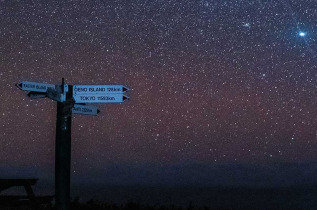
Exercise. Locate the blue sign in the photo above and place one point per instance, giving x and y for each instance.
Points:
(85, 110)
(98, 89)
(100, 98)
(34, 86)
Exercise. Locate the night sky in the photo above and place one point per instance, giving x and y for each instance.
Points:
(212, 81)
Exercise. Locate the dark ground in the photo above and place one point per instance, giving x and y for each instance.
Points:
(210, 198)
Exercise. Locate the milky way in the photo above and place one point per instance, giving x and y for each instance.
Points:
(211, 81)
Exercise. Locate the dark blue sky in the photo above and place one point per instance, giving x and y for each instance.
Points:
(212, 81)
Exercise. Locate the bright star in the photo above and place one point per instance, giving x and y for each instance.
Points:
(302, 34)
(247, 25)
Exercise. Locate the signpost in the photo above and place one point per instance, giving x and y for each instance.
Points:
(98, 89)
(62, 146)
(34, 86)
(67, 96)
(36, 95)
(100, 98)
(54, 95)
(85, 110)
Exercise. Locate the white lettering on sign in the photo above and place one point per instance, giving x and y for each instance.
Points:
(98, 89)
(33, 86)
(101, 98)
(85, 110)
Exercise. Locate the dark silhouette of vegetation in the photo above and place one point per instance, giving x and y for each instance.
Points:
(97, 205)
(131, 205)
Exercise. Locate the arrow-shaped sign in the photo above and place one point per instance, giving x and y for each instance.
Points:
(34, 86)
(36, 95)
(85, 110)
(100, 98)
(98, 89)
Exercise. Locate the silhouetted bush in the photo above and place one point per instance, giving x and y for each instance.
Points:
(97, 205)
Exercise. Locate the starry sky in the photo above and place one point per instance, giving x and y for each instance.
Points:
(212, 81)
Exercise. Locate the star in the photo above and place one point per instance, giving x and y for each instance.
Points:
(302, 34)
(246, 25)
(236, 79)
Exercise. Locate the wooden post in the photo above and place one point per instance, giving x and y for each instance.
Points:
(63, 151)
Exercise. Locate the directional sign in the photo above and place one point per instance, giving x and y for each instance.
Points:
(54, 95)
(34, 86)
(36, 95)
(98, 89)
(101, 98)
(85, 110)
